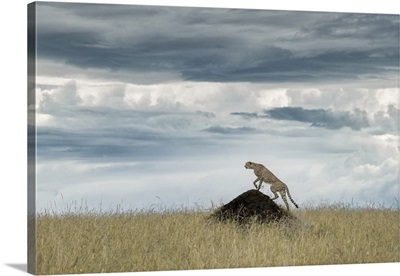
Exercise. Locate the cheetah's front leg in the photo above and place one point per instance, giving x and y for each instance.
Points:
(255, 183)
(259, 184)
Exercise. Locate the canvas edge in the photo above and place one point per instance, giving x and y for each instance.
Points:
(31, 138)
(31, 126)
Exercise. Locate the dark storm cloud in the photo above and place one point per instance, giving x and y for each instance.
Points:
(329, 119)
(103, 134)
(230, 130)
(121, 144)
(356, 26)
(219, 45)
(246, 115)
(101, 144)
(320, 117)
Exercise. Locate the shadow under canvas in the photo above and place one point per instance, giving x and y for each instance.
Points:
(21, 267)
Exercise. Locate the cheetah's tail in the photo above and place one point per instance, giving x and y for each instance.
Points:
(291, 199)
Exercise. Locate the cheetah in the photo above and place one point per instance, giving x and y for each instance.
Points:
(265, 175)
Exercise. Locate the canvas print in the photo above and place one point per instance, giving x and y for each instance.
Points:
(179, 138)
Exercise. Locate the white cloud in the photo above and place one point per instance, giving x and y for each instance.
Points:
(368, 172)
(61, 97)
(134, 142)
(344, 98)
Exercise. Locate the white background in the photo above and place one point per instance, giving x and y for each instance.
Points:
(13, 131)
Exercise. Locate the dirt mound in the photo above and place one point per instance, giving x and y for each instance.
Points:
(251, 206)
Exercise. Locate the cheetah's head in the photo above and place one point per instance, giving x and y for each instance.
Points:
(249, 165)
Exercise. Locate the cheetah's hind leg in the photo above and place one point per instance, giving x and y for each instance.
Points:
(275, 195)
(283, 195)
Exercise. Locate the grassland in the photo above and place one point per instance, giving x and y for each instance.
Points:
(185, 239)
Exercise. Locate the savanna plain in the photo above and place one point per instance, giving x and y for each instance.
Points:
(184, 239)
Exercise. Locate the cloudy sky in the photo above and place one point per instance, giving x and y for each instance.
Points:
(158, 106)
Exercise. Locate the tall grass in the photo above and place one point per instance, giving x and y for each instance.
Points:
(188, 239)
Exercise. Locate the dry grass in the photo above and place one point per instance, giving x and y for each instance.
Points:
(175, 240)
